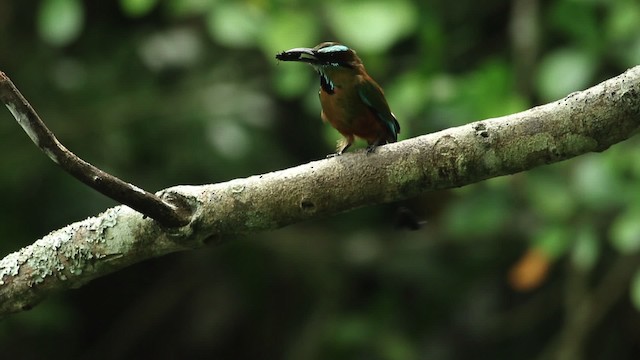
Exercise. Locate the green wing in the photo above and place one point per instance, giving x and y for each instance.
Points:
(372, 95)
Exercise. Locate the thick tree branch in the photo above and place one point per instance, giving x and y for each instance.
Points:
(168, 214)
(591, 120)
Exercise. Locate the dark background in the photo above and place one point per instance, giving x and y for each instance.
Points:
(536, 265)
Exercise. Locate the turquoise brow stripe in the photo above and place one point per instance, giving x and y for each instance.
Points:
(333, 48)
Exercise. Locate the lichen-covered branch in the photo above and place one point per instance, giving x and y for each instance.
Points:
(591, 120)
(168, 213)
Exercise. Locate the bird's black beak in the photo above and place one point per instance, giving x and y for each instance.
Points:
(299, 54)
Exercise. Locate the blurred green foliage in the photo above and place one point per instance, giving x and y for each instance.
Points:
(188, 92)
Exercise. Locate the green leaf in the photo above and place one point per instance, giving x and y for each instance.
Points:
(632, 56)
(623, 21)
(594, 183)
(635, 290)
(586, 249)
(479, 215)
(288, 29)
(577, 20)
(549, 196)
(235, 24)
(394, 346)
(189, 7)
(373, 25)
(407, 95)
(622, 28)
(625, 231)
(351, 331)
(553, 241)
(564, 72)
(137, 8)
(60, 21)
(291, 81)
(488, 90)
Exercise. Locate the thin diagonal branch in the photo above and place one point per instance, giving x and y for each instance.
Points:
(591, 120)
(166, 213)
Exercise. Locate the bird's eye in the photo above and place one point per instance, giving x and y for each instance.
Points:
(333, 49)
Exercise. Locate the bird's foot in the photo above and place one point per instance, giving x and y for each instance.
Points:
(371, 149)
(334, 155)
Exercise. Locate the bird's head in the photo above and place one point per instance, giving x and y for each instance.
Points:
(323, 56)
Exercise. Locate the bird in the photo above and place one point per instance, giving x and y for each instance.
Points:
(351, 100)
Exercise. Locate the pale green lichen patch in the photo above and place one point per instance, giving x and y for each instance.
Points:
(64, 252)
(100, 224)
(490, 160)
(526, 148)
(10, 265)
(574, 144)
(404, 175)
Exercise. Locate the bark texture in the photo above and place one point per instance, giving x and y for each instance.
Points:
(586, 121)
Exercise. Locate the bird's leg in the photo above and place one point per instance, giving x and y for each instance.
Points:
(343, 145)
(372, 146)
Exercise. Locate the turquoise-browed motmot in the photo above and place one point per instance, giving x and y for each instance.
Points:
(352, 102)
